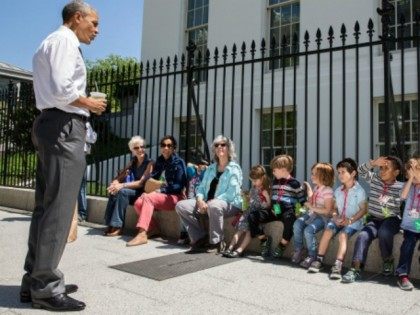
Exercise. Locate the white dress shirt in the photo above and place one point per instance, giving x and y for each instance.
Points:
(59, 72)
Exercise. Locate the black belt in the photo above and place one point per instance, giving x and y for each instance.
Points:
(74, 115)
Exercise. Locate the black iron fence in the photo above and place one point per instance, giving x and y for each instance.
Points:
(326, 96)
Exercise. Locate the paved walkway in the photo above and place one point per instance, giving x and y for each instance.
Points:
(246, 286)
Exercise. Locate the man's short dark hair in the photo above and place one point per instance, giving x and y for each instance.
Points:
(74, 6)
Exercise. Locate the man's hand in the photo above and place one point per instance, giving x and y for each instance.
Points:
(94, 105)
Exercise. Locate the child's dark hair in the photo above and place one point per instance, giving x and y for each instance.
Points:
(259, 172)
(396, 163)
(324, 172)
(349, 164)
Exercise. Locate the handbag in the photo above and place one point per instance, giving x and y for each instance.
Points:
(151, 185)
(122, 174)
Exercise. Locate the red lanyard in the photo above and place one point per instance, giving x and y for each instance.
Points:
(314, 196)
(281, 190)
(343, 214)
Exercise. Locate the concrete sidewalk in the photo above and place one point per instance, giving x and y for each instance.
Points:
(246, 286)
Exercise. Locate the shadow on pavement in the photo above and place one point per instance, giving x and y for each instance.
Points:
(17, 219)
(9, 297)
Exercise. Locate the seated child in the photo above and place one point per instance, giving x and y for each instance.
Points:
(319, 208)
(350, 207)
(410, 222)
(384, 210)
(285, 194)
(259, 199)
(195, 174)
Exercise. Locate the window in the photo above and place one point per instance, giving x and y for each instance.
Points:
(408, 126)
(284, 141)
(284, 21)
(196, 141)
(197, 21)
(407, 8)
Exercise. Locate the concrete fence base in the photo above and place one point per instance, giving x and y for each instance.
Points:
(169, 225)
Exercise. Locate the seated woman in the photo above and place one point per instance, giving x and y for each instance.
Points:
(218, 195)
(171, 171)
(122, 192)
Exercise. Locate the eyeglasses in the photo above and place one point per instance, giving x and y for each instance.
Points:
(220, 145)
(166, 145)
(139, 147)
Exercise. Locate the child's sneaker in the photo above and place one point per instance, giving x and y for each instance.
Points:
(388, 267)
(265, 246)
(351, 276)
(307, 262)
(335, 272)
(278, 251)
(315, 266)
(297, 256)
(405, 284)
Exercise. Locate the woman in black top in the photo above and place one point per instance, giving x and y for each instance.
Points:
(125, 189)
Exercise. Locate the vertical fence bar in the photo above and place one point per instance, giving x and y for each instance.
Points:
(168, 67)
(251, 104)
(295, 51)
(417, 41)
(402, 43)
(175, 65)
(146, 102)
(152, 109)
(224, 57)
(159, 100)
(272, 54)
(262, 49)
(306, 43)
(241, 128)
(284, 44)
(385, 12)
(356, 37)
(206, 97)
(330, 140)
(343, 39)
(232, 97)
(184, 71)
(190, 75)
(318, 40)
(216, 57)
(370, 34)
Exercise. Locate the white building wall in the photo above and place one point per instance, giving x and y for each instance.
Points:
(235, 21)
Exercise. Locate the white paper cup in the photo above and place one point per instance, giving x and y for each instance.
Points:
(98, 95)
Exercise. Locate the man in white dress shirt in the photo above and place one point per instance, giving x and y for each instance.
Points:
(58, 133)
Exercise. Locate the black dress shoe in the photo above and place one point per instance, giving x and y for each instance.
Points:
(199, 246)
(59, 303)
(25, 296)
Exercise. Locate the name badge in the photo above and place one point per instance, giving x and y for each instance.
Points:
(383, 199)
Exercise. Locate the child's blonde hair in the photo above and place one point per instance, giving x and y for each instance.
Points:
(282, 161)
(324, 172)
(259, 172)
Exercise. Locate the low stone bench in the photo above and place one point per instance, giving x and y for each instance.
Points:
(169, 225)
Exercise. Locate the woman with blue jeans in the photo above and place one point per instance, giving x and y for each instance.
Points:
(319, 207)
(124, 192)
